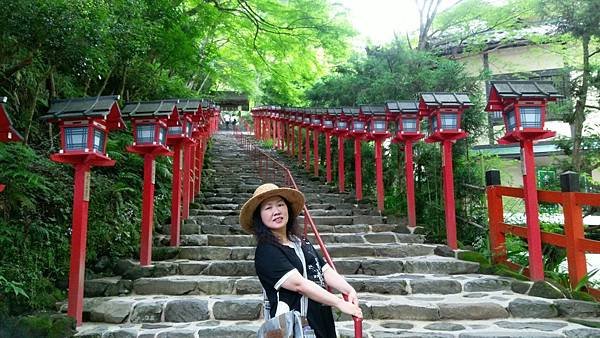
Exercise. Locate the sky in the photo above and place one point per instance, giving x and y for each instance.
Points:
(378, 20)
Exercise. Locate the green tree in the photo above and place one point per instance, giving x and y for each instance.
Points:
(579, 20)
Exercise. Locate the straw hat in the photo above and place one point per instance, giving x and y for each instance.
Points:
(294, 197)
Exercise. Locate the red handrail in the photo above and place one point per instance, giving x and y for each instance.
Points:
(308, 220)
(573, 240)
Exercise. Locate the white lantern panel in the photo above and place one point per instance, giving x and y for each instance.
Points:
(176, 130)
(76, 138)
(379, 126)
(531, 117)
(162, 135)
(449, 120)
(189, 128)
(512, 120)
(409, 125)
(433, 123)
(98, 140)
(144, 134)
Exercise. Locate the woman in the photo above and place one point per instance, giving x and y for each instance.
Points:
(280, 258)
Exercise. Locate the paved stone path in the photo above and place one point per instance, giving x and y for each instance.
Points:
(208, 287)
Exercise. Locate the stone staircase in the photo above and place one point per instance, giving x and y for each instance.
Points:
(207, 287)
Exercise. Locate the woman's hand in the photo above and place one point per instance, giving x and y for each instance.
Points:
(349, 308)
(352, 296)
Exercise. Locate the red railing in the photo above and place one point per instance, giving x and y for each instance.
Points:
(573, 240)
(275, 172)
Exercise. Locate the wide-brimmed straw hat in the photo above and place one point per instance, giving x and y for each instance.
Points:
(294, 197)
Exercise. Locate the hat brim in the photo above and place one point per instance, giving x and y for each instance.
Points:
(294, 197)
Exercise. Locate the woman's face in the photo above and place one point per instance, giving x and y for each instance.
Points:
(274, 213)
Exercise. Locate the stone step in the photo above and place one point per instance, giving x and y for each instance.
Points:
(394, 284)
(342, 220)
(496, 328)
(225, 225)
(465, 306)
(335, 250)
(328, 238)
(130, 269)
(206, 328)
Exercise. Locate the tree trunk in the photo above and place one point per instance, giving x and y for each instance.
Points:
(427, 12)
(123, 81)
(579, 114)
(105, 82)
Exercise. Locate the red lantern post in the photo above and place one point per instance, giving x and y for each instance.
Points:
(306, 124)
(292, 123)
(523, 106)
(315, 127)
(150, 140)
(378, 131)
(84, 125)
(179, 134)
(328, 118)
(407, 131)
(300, 123)
(358, 131)
(444, 111)
(341, 122)
(7, 131)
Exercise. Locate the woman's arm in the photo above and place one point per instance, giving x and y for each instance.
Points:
(295, 282)
(336, 281)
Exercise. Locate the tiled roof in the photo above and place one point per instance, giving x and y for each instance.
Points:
(98, 106)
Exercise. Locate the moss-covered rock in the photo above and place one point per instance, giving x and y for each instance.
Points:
(472, 256)
(521, 287)
(503, 270)
(43, 325)
(164, 253)
(545, 289)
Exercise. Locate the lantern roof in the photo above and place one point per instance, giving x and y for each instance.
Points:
(190, 106)
(334, 111)
(404, 107)
(522, 89)
(155, 109)
(436, 100)
(6, 124)
(102, 107)
(351, 111)
(372, 109)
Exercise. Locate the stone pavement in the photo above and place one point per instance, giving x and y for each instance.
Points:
(208, 288)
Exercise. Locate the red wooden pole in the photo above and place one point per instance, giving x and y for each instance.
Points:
(307, 148)
(328, 156)
(292, 138)
(176, 194)
(358, 168)
(410, 183)
(496, 218)
(300, 144)
(78, 241)
(534, 236)
(186, 181)
(449, 194)
(193, 171)
(147, 210)
(341, 174)
(199, 159)
(316, 152)
(379, 174)
(574, 234)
